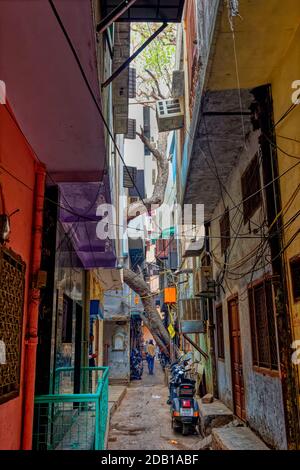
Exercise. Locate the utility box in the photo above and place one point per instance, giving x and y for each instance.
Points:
(204, 282)
(170, 114)
(170, 295)
(178, 84)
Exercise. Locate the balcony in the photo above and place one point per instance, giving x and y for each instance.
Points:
(145, 11)
(73, 421)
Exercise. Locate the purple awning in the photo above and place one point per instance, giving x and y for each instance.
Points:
(79, 203)
(45, 88)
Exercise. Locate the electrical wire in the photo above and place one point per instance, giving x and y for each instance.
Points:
(57, 16)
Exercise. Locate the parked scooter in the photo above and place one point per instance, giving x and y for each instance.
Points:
(183, 405)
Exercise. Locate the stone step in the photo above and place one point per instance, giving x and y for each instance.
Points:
(213, 415)
(236, 438)
(116, 393)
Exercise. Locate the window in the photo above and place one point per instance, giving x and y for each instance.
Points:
(225, 231)
(132, 83)
(118, 340)
(295, 275)
(220, 332)
(131, 132)
(129, 176)
(67, 324)
(146, 120)
(12, 281)
(263, 329)
(251, 189)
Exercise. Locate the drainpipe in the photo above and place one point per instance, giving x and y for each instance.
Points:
(31, 333)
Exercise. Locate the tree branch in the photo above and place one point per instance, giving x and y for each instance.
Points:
(141, 207)
(155, 324)
(159, 92)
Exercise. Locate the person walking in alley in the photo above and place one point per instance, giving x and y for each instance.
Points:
(150, 356)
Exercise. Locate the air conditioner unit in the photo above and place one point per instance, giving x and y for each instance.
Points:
(170, 115)
(205, 285)
(191, 309)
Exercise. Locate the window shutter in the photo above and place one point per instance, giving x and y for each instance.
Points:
(225, 231)
(129, 176)
(131, 133)
(295, 275)
(263, 328)
(132, 83)
(251, 189)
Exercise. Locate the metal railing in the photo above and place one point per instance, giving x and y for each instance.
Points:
(67, 420)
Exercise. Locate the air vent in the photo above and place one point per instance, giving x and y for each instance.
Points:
(129, 177)
(132, 83)
(131, 133)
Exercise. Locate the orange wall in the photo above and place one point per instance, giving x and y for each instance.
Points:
(146, 334)
(16, 163)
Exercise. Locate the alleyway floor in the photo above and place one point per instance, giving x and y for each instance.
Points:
(143, 421)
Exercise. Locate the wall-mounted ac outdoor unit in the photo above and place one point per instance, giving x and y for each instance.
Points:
(170, 115)
(191, 309)
(205, 285)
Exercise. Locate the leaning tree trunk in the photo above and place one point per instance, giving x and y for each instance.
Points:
(141, 207)
(154, 322)
(132, 279)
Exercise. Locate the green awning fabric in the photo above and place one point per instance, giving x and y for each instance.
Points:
(166, 233)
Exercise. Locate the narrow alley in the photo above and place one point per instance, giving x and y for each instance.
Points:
(143, 421)
(149, 216)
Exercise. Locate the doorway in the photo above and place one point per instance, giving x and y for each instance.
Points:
(238, 389)
(78, 344)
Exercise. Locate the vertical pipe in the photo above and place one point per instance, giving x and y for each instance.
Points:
(31, 334)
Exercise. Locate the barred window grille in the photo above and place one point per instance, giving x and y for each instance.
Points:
(12, 285)
(251, 187)
(263, 327)
(225, 231)
(295, 275)
(132, 83)
(129, 176)
(220, 332)
(131, 132)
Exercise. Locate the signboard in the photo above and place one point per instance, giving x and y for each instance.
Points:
(171, 330)
(95, 309)
(193, 326)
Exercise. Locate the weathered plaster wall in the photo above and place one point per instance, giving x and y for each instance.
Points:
(118, 354)
(18, 179)
(282, 78)
(263, 394)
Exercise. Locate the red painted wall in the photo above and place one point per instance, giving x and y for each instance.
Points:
(17, 165)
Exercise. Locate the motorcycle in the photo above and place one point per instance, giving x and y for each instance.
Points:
(136, 365)
(183, 405)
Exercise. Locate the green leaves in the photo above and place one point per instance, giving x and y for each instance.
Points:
(158, 59)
